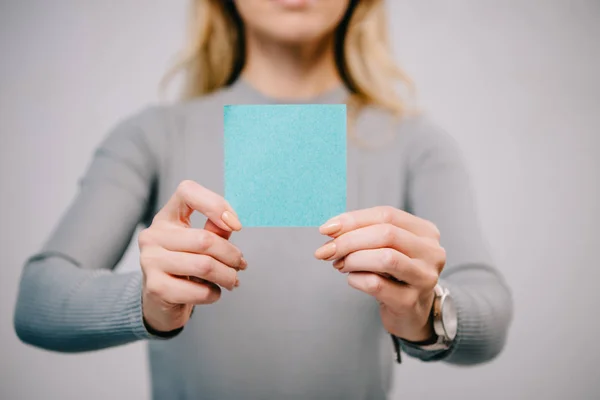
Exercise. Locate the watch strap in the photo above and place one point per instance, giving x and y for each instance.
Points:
(432, 340)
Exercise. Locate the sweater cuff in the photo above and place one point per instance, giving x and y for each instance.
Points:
(425, 355)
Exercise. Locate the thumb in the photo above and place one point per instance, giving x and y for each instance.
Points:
(212, 227)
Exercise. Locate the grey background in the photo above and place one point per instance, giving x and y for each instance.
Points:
(516, 82)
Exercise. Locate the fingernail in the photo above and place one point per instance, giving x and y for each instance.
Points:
(331, 227)
(338, 264)
(237, 282)
(231, 220)
(243, 263)
(326, 251)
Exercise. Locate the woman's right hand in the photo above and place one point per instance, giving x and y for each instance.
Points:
(183, 266)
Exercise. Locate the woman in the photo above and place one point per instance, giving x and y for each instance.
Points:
(292, 327)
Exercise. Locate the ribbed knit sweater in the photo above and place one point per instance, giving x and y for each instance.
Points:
(294, 329)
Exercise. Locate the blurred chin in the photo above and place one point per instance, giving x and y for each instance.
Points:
(295, 29)
(295, 35)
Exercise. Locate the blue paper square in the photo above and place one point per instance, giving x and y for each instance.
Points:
(285, 165)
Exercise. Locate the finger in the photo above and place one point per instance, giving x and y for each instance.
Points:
(190, 197)
(389, 262)
(373, 237)
(174, 290)
(200, 241)
(196, 265)
(211, 227)
(379, 215)
(395, 295)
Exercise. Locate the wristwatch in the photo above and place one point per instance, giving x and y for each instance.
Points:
(445, 320)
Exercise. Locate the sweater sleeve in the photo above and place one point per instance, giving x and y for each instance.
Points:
(439, 190)
(69, 298)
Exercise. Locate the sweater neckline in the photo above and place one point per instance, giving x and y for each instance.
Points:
(336, 95)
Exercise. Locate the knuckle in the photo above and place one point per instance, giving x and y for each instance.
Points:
(145, 238)
(388, 258)
(148, 258)
(184, 187)
(203, 267)
(386, 214)
(431, 247)
(430, 279)
(435, 254)
(144, 259)
(433, 229)
(374, 284)
(204, 240)
(441, 261)
(388, 233)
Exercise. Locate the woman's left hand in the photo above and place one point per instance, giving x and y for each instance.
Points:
(393, 256)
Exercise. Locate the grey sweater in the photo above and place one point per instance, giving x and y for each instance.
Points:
(293, 329)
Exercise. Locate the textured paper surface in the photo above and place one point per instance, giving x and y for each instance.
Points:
(285, 165)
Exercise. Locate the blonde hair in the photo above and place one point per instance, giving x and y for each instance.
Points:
(214, 55)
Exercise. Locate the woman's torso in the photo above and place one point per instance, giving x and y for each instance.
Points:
(294, 328)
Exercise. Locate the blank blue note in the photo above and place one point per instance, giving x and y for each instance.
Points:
(285, 165)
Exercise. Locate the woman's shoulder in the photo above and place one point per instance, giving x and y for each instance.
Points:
(144, 128)
(155, 123)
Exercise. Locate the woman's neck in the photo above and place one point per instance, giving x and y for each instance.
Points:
(287, 71)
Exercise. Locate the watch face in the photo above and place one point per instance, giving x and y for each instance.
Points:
(449, 317)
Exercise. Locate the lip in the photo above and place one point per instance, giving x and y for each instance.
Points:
(295, 4)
